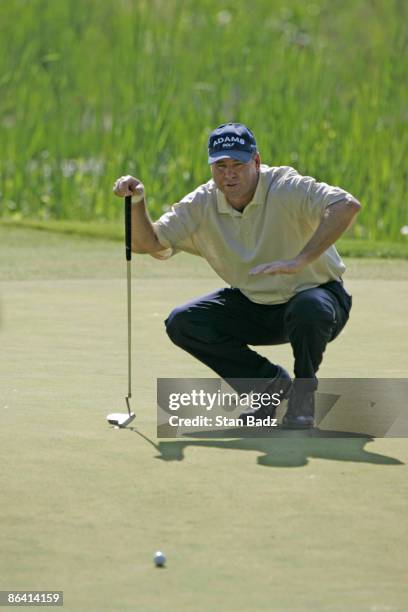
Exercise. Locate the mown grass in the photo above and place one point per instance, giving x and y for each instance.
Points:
(91, 90)
(348, 247)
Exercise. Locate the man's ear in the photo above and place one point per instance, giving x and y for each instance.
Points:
(257, 159)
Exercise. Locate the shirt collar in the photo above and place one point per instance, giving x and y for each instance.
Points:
(258, 198)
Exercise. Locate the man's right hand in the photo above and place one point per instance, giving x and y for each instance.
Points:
(128, 186)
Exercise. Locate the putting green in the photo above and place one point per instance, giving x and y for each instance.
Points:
(247, 524)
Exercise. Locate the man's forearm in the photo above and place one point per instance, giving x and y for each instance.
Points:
(144, 239)
(336, 220)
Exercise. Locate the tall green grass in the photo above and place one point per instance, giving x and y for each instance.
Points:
(93, 89)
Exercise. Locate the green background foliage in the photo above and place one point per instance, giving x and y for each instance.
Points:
(91, 90)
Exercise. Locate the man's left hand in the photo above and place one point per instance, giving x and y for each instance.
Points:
(284, 266)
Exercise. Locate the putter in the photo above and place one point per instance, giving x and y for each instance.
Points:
(121, 419)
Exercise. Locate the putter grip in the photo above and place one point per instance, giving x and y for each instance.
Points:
(128, 227)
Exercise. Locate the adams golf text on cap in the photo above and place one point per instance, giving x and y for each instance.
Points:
(231, 140)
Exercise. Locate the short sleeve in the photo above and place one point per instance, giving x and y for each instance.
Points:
(309, 196)
(176, 227)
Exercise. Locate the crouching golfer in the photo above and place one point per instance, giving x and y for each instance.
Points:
(268, 232)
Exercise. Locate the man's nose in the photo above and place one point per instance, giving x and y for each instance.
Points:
(230, 172)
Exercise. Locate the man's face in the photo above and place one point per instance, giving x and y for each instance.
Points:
(236, 180)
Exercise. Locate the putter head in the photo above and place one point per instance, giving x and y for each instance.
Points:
(121, 419)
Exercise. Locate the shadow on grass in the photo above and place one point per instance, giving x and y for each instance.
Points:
(282, 449)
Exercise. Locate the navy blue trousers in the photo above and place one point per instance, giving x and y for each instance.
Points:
(217, 328)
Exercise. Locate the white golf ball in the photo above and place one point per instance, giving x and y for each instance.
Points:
(159, 558)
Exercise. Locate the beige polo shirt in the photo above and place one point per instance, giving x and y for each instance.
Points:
(280, 219)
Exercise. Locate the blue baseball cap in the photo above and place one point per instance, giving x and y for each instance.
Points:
(231, 140)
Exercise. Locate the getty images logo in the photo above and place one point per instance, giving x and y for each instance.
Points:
(228, 141)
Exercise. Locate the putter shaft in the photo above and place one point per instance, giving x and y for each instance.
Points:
(129, 318)
(122, 419)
